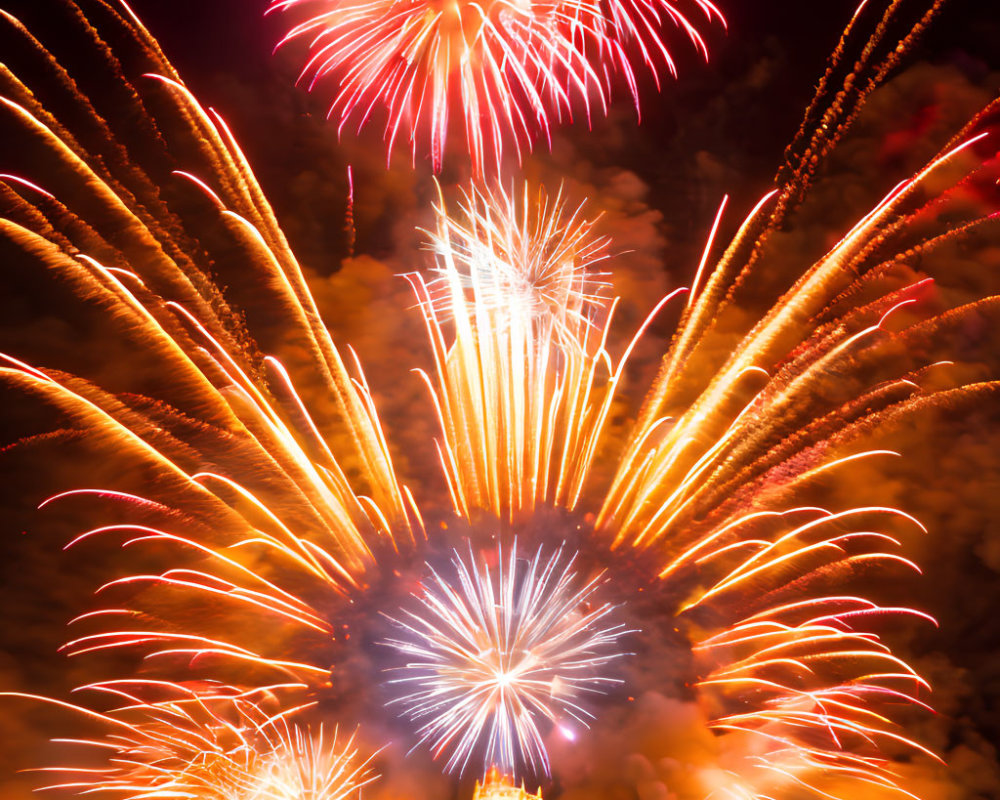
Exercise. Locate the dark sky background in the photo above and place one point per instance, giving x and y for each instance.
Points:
(720, 129)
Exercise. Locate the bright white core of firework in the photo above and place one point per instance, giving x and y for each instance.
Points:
(494, 654)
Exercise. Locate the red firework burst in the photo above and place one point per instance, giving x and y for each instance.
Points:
(510, 67)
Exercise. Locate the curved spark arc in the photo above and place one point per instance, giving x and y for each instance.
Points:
(275, 496)
(713, 489)
(166, 296)
(497, 650)
(510, 68)
(212, 743)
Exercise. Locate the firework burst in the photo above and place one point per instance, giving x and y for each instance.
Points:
(518, 323)
(491, 652)
(528, 262)
(216, 743)
(509, 68)
(281, 517)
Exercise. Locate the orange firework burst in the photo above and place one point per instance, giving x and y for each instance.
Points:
(217, 743)
(273, 524)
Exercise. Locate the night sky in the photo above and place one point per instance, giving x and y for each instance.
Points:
(720, 129)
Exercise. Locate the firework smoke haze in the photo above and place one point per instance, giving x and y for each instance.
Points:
(267, 521)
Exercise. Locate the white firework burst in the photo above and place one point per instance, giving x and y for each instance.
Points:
(494, 654)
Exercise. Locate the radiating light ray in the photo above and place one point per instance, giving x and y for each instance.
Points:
(301, 507)
(524, 386)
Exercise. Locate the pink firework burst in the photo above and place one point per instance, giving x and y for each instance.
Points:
(510, 68)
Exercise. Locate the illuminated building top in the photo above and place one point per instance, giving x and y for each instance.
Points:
(496, 786)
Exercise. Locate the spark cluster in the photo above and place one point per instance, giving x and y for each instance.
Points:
(517, 318)
(528, 262)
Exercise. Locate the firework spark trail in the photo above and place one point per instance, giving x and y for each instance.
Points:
(129, 228)
(709, 487)
(712, 483)
(490, 651)
(508, 67)
(216, 743)
(704, 484)
(801, 342)
(148, 277)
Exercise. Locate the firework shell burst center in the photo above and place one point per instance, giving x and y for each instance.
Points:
(495, 654)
